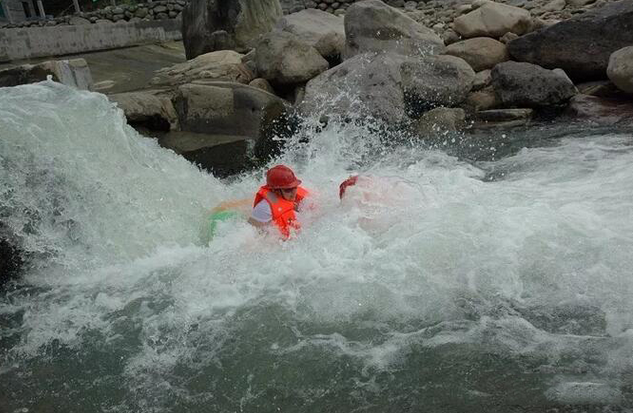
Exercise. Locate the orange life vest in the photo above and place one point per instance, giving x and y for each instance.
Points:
(283, 211)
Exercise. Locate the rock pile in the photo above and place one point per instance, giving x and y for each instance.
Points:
(156, 10)
(451, 63)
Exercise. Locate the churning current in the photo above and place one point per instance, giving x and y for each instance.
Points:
(442, 285)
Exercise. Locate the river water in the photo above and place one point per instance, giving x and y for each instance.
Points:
(443, 283)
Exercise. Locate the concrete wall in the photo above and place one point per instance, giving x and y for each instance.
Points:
(25, 43)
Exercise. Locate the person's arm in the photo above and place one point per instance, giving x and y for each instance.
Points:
(261, 215)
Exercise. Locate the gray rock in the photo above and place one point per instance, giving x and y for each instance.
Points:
(504, 115)
(441, 120)
(482, 80)
(323, 31)
(282, 59)
(481, 53)
(582, 45)
(493, 20)
(372, 26)
(601, 111)
(74, 72)
(366, 86)
(433, 81)
(210, 25)
(224, 65)
(147, 109)
(527, 85)
(620, 69)
(262, 84)
(222, 108)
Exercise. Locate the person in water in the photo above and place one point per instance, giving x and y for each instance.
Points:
(278, 200)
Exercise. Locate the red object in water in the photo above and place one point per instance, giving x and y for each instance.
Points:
(351, 181)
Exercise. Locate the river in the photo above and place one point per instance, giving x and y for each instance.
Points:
(478, 274)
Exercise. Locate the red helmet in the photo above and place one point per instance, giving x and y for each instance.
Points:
(281, 177)
(348, 182)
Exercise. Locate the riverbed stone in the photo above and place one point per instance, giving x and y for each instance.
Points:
(434, 81)
(582, 45)
(373, 26)
(323, 31)
(220, 65)
(210, 25)
(620, 69)
(481, 53)
(148, 109)
(262, 84)
(440, 120)
(282, 59)
(599, 110)
(222, 108)
(527, 85)
(367, 85)
(74, 73)
(483, 99)
(493, 20)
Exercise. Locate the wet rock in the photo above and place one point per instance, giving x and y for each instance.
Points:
(504, 115)
(147, 109)
(482, 80)
(434, 81)
(620, 69)
(262, 84)
(210, 25)
(441, 120)
(582, 45)
(366, 85)
(508, 37)
(222, 108)
(372, 26)
(493, 20)
(579, 3)
(480, 53)
(599, 110)
(601, 88)
(527, 85)
(483, 99)
(221, 155)
(75, 73)
(323, 31)
(221, 65)
(282, 59)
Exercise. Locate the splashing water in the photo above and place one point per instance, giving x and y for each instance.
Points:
(430, 288)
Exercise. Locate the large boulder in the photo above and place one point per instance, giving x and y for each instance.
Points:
(601, 111)
(581, 45)
(222, 124)
(367, 85)
(321, 30)
(433, 81)
(221, 65)
(493, 20)
(527, 85)
(282, 59)
(75, 73)
(372, 26)
(222, 108)
(147, 109)
(210, 25)
(440, 120)
(620, 69)
(481, 53)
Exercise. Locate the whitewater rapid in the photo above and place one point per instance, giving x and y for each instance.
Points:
(441, 284)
